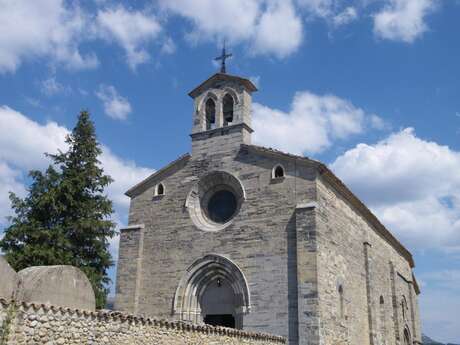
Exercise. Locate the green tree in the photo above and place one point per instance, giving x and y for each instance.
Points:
(65, 218)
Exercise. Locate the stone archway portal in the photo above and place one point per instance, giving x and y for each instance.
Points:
(212, 291)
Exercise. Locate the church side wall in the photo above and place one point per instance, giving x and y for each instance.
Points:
(260, 241)
(42, 325)
(372, 275)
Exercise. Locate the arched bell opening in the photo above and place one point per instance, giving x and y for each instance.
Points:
(210, 114)
(228, 105)
(213, 291)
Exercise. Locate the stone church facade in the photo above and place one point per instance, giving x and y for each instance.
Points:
(248, 237)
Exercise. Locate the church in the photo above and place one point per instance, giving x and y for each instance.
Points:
(243, 236)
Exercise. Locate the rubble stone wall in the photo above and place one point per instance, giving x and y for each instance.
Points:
(48, 325)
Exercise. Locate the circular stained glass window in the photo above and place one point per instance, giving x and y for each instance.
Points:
(221, 207)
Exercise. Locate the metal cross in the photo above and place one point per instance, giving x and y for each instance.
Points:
(222, 58)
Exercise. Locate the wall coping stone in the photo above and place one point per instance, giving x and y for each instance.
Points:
(123, 317)
(141, 186)
(132, 227)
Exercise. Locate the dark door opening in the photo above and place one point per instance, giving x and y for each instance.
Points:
(224, 320)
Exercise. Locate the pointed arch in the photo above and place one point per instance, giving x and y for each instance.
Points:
(404, 307)
(341, 301)
(278, 171)
(383, 328)
(210, 113)
(407, 340)
(159, 189)
(228, 103)
(200, 275)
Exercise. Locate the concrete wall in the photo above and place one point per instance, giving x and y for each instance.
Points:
(352, 255)
(43, 325)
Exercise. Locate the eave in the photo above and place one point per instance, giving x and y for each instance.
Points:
(248, 85)
(157, 175)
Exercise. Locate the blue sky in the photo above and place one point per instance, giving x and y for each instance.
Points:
(370, 87)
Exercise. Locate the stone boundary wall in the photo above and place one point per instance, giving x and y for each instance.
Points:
(39, 324)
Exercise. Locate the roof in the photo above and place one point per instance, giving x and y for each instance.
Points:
(146, 183)
(248, 85)
(326, 173)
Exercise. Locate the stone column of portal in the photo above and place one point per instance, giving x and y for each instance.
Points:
(307, 275)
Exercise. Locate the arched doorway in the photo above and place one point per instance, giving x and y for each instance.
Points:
(214, 291)
(218, 304)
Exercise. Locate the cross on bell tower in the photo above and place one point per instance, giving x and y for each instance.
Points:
(222, 58)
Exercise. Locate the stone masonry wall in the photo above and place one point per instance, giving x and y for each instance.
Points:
(260, 240)
(42, 324)
(373, 275)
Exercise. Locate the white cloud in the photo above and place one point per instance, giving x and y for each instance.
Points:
(55, 29)
(403, 20)
(168, 46)
(231, 19)
(269, 27)
(279, 31)
(319, 8)
(52, 87)
(345, 17)
(125, 174)
(22, 144)
(115, 106)
(332, 11)
(311, 125)
(131, 29)
(377, 122)
(412, 184)
(24, 141)
(44, 29)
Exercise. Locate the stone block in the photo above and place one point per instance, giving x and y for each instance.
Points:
(9, 280)
(65, 286)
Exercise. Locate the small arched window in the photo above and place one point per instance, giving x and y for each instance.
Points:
(228, 109)
(341, 302)
(382, 320)
(406, 337)
(404, 307)
(210, 110)
(159, 189)
(278, 172)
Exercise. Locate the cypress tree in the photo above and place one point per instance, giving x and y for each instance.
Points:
(65, 218)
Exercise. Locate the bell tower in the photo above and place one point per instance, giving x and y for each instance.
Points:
(222, 112)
